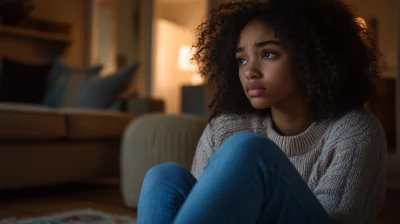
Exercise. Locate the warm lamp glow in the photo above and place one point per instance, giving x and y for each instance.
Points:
(185, 64)
(184, 57)
(361, 22)
(197, 80)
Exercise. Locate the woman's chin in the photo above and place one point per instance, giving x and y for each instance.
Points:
(260, 103)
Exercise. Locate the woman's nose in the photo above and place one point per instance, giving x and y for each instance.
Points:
(253, 73)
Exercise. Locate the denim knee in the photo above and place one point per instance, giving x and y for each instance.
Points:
(246, 145)
(162, 171)
(168, 173)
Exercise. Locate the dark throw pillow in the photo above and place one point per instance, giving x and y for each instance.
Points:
(104, 92)
(64, 81)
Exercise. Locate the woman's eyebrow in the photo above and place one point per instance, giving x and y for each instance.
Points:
(260, 44)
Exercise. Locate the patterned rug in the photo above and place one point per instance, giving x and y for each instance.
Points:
(87, 216)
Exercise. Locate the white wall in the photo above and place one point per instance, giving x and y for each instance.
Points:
(167, 78)
(71, 11)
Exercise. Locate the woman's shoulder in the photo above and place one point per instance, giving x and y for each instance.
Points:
(357, 126)
(358, 120)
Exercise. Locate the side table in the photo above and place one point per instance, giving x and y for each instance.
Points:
(195, 100)
(140, 106)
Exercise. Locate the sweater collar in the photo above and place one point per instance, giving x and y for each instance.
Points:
(297, 144)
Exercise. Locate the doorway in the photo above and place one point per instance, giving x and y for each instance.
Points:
(174, 24)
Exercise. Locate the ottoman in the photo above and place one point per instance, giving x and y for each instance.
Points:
(154, 139)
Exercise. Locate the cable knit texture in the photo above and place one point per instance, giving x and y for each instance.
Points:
(343, 161)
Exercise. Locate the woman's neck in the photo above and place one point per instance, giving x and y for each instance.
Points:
(291, 117)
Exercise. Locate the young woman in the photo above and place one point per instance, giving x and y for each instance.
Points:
(288, 140)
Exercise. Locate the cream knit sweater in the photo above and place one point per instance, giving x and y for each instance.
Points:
(343, 161)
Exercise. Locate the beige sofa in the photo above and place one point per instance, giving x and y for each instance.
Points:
(43, 146)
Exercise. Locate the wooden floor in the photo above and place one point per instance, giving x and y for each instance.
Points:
(105, 196)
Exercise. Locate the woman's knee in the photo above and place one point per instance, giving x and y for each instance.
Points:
(168, 172)
(165, 170)
(246, 145)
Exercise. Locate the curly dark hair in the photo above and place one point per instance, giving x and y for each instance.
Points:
(334, 57)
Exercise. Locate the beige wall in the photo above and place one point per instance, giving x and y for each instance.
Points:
(71, 11)
(126, 29)
(107, 36)
(167, 79)
(174, 26)
(143, 78)
(148, 12)
(187, 14)
(385, 11)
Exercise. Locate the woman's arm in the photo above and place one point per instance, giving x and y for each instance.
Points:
(353, 188)
(204, 151)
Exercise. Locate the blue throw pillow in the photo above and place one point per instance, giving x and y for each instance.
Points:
(104, 92)
(63, 82)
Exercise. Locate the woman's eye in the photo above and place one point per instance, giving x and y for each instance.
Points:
(268, 55)
(242, 61)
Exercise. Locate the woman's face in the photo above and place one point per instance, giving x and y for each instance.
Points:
(266, 69)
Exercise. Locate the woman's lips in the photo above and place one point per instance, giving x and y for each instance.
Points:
(255, 90)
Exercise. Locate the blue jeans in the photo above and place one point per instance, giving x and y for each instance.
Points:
(248, 180)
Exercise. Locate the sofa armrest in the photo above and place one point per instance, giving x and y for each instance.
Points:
(154, 139)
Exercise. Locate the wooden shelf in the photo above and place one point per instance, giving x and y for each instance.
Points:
(30, 33)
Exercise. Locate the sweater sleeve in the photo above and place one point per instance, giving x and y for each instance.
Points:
(352, 189)
(204, 151)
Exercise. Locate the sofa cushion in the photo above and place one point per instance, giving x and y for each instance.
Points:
(94, 124)
(30, 122)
